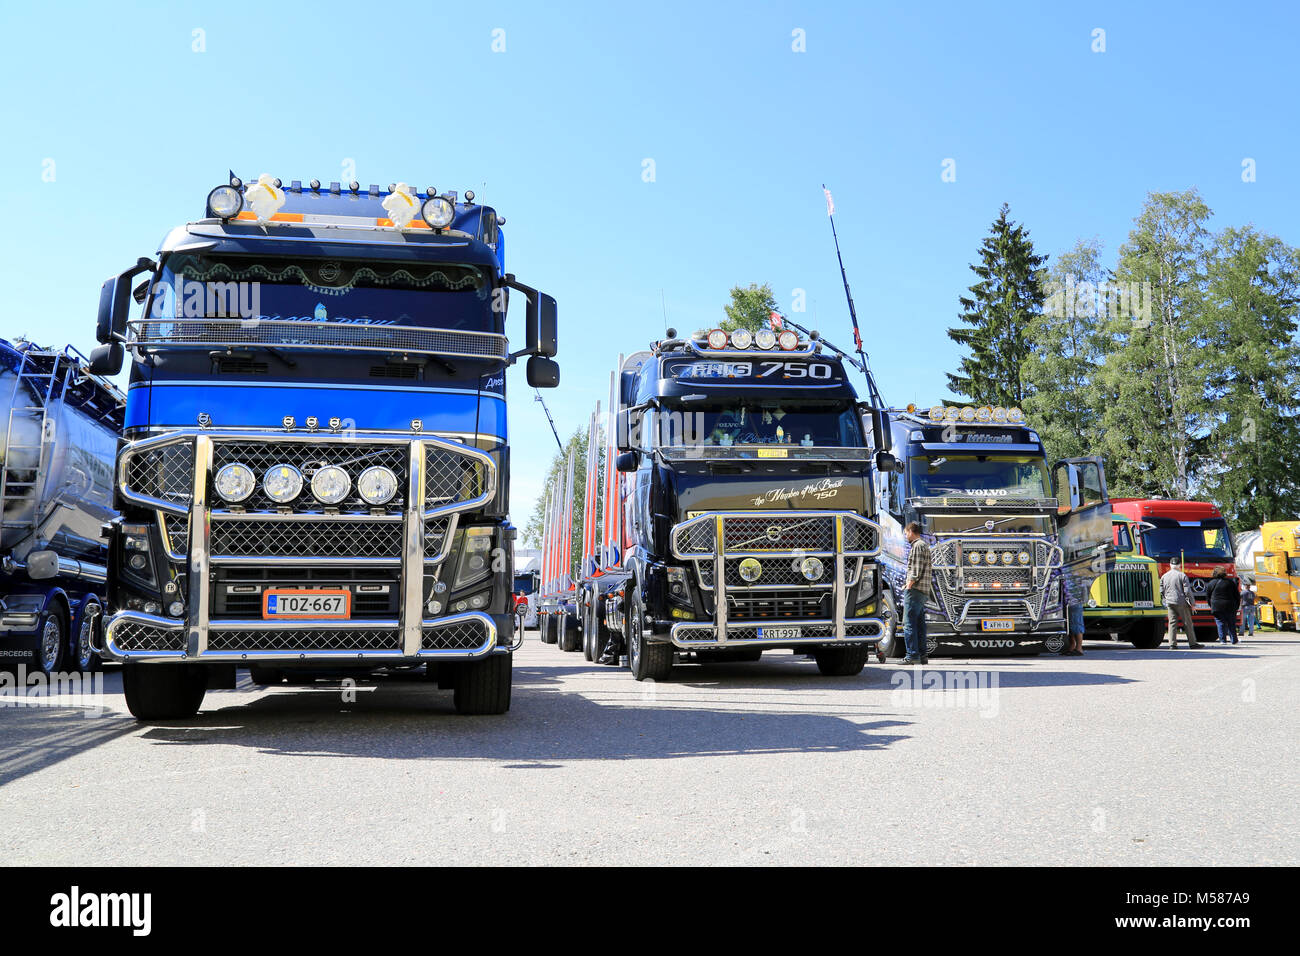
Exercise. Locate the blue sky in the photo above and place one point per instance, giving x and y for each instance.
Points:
(741, 128)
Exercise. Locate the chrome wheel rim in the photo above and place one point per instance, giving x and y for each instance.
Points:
(51, 639)
(84, 652)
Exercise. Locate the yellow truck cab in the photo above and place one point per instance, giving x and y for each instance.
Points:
(1277, 573)
(1125, 601)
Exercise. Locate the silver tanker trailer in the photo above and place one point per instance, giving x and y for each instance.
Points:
(60, 433)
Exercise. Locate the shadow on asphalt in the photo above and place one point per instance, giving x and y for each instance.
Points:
(33, 738)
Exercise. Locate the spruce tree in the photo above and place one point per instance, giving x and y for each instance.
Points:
(997, 315)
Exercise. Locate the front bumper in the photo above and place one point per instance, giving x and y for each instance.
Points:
(714, 544)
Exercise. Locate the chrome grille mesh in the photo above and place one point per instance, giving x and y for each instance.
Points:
(464, 636)
(435, 534)
(165, 472)
(308, 639)
(695, 538)
(774, 533)
(450, 477)
(135, 636)
(178, 533)
(308, 458)
(305, 538)
(329, 335)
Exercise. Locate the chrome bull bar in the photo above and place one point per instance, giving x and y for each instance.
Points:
(722, 536)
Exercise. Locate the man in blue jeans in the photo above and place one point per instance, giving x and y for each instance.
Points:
(915, 594)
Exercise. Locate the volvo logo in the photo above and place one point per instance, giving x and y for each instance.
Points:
(288, 422)
(313, 423)
(774, 532)
(204, 419)
(990, 645)
(417, 425)
(990, 525)
(335, 424)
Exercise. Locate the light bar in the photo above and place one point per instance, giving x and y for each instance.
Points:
(969, 414)
(717, 339)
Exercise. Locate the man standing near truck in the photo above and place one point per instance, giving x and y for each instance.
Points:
(916, 594)
(1176, 591)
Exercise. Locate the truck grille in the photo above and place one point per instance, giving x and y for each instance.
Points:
(451, 477)
(164, 472)
(775, 532)
(135, 636)
(307, 639)
(308, 458)
(305, 538)
(780, 572)
(1126, 587)
(760, 605)
(238, 591)
(462, 636)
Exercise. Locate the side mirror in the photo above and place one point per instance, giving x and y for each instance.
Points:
(886, 463)
(107, 359)
(542, 372)
(628, 461)
(628, 422)
(114, 302)
(543, 325)
(42, 565)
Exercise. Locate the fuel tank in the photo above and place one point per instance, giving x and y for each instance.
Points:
(59, 428)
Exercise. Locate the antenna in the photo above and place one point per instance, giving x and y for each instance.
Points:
(558, 444)
(876, 400)
(664, 303)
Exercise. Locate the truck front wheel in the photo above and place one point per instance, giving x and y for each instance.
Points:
(646, 660)
(163, 691)
(1147, 635)
(483, 686)
(891, 643)
(842, 661)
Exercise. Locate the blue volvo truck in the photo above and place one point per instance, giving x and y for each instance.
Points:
(314, 470)
(60, 434)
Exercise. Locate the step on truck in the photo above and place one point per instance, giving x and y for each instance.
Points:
(1125, 601)
(1194, 531)
(314, 472)
(746, 504)
(1011, 543)
(61, 430)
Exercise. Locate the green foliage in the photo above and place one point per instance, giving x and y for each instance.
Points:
(999, 310)
(749, 308)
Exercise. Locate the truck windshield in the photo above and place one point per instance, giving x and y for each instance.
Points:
(353, 292)
(1196, 541)
(810, 424)
(995, 476)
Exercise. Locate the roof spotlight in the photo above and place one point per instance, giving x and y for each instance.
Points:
(438, 212)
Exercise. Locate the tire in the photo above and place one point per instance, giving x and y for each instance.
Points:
(266, 676)
(589, 635)
(546, 626)
(891, 643)
(51, 651)
(570, 637)
(80, 645)
(842, 661)
(646, 660)
(483, 686)
(164, 691)
(1147, 635)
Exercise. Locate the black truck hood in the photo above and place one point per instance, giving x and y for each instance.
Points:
(750, 485)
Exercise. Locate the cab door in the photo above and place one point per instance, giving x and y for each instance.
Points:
(1083, 518)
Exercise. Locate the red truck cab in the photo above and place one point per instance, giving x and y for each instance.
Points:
(1195, 531)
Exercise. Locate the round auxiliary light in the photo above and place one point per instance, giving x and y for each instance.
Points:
(742, 338)
(377, 485)
(974, 557)
(999, 414)
(330, 484)
(224, 202)
(235, 482)
(984, 414)
(438, 212)
(811, 568)
(282, 483)
(750, 569)
(1023, 557)
(1007, 557)
(968, 414)
(176, 609)
(951, 413)
(936, 413)
(788, 340)
(1015, 415)
(478, 601)
(717, 339)
(991, 557)
(765, 339)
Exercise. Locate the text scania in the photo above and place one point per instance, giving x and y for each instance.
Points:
(102, 910)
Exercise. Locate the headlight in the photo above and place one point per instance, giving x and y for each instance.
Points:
(1023, 557)
(224, 202)
(330, 484)
(438, 212)
(742, 338)
(765, 339)
(811, 568)
(788, 340)
(717, 339)
(974, 557)
(235, 482)
(750, 569)
(377, 485)
(282, 483)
